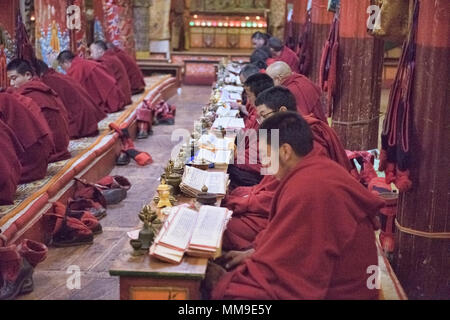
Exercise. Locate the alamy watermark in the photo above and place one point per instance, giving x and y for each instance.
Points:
(73, 282)
(73, 17)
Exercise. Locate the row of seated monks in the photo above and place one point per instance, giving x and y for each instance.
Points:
(43, 109)
(307, 230)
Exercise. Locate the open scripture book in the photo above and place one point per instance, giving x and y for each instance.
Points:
(198, 234)
(195, 179)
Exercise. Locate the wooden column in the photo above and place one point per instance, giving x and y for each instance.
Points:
(8, 15)
(422, 264)
(321, 21)
(359, 72)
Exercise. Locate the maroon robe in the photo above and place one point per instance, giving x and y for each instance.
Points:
(116, 68)
(83, 113)
(327, 138)
(19, 112)
(10, 167)
(101, 86)
(54, 112)
(251, 207)
(251, 121)
(290, 57)
(319, 242)
(307, 94)
(134, 73)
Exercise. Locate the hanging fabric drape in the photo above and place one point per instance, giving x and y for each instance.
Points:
(328, 64)
(395, 154)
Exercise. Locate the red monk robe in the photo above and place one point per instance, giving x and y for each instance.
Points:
(54, 112)
(251, 120)
(250, 206)
(134, 73)
(307, 94)
(326, 137)
(83, 113)
(100, 85)
(19, 112)
(290, 57)
(116, 68)
(319, 242)
(10, 167)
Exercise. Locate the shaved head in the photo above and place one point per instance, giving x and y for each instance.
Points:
(279, 71)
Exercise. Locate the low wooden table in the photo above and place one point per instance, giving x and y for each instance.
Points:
(149, 66)
(147, 278)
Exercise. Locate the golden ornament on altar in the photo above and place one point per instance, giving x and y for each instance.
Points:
(164, 195)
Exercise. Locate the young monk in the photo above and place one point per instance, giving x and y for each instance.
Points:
(101, 86)
(25, 119)
(112, 64)
(280, 52)
(135, 75)
(307, 94)
(83, 113)
(247, 110)
(320, 240)
(246, 169)
(22, 79)
(10, 167)
(259, 39)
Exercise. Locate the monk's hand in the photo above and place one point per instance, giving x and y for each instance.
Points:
(214, 273)
(234, 258)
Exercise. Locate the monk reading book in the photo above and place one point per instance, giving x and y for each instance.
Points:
(283, 53)
(19, 112)
(83, 113)
(246, 171)
(101, 86)
(10, 167)
(251, 205)
(114, 66)
(22, 79)
(307, 94)
(318, 248)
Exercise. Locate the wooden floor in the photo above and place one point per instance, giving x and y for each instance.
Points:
(51, 277)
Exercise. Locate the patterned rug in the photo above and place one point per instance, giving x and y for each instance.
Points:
(76, 147)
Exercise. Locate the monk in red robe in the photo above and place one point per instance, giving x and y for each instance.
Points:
(307, 94)
(246, 224)
(320, 240)
(246, 170)
(19, 112)
(115, 67)
(10, 167)
(83, 113)
(281, 52)
(101, 86)
(22, 78)
(134, 73)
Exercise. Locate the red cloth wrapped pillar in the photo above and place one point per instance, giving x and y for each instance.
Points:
(421, 260)
(359, 69)
(321, 21)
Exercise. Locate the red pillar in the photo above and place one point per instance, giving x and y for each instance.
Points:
(298, 18)
(359, 71)
(422, 263)
(321, 20)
